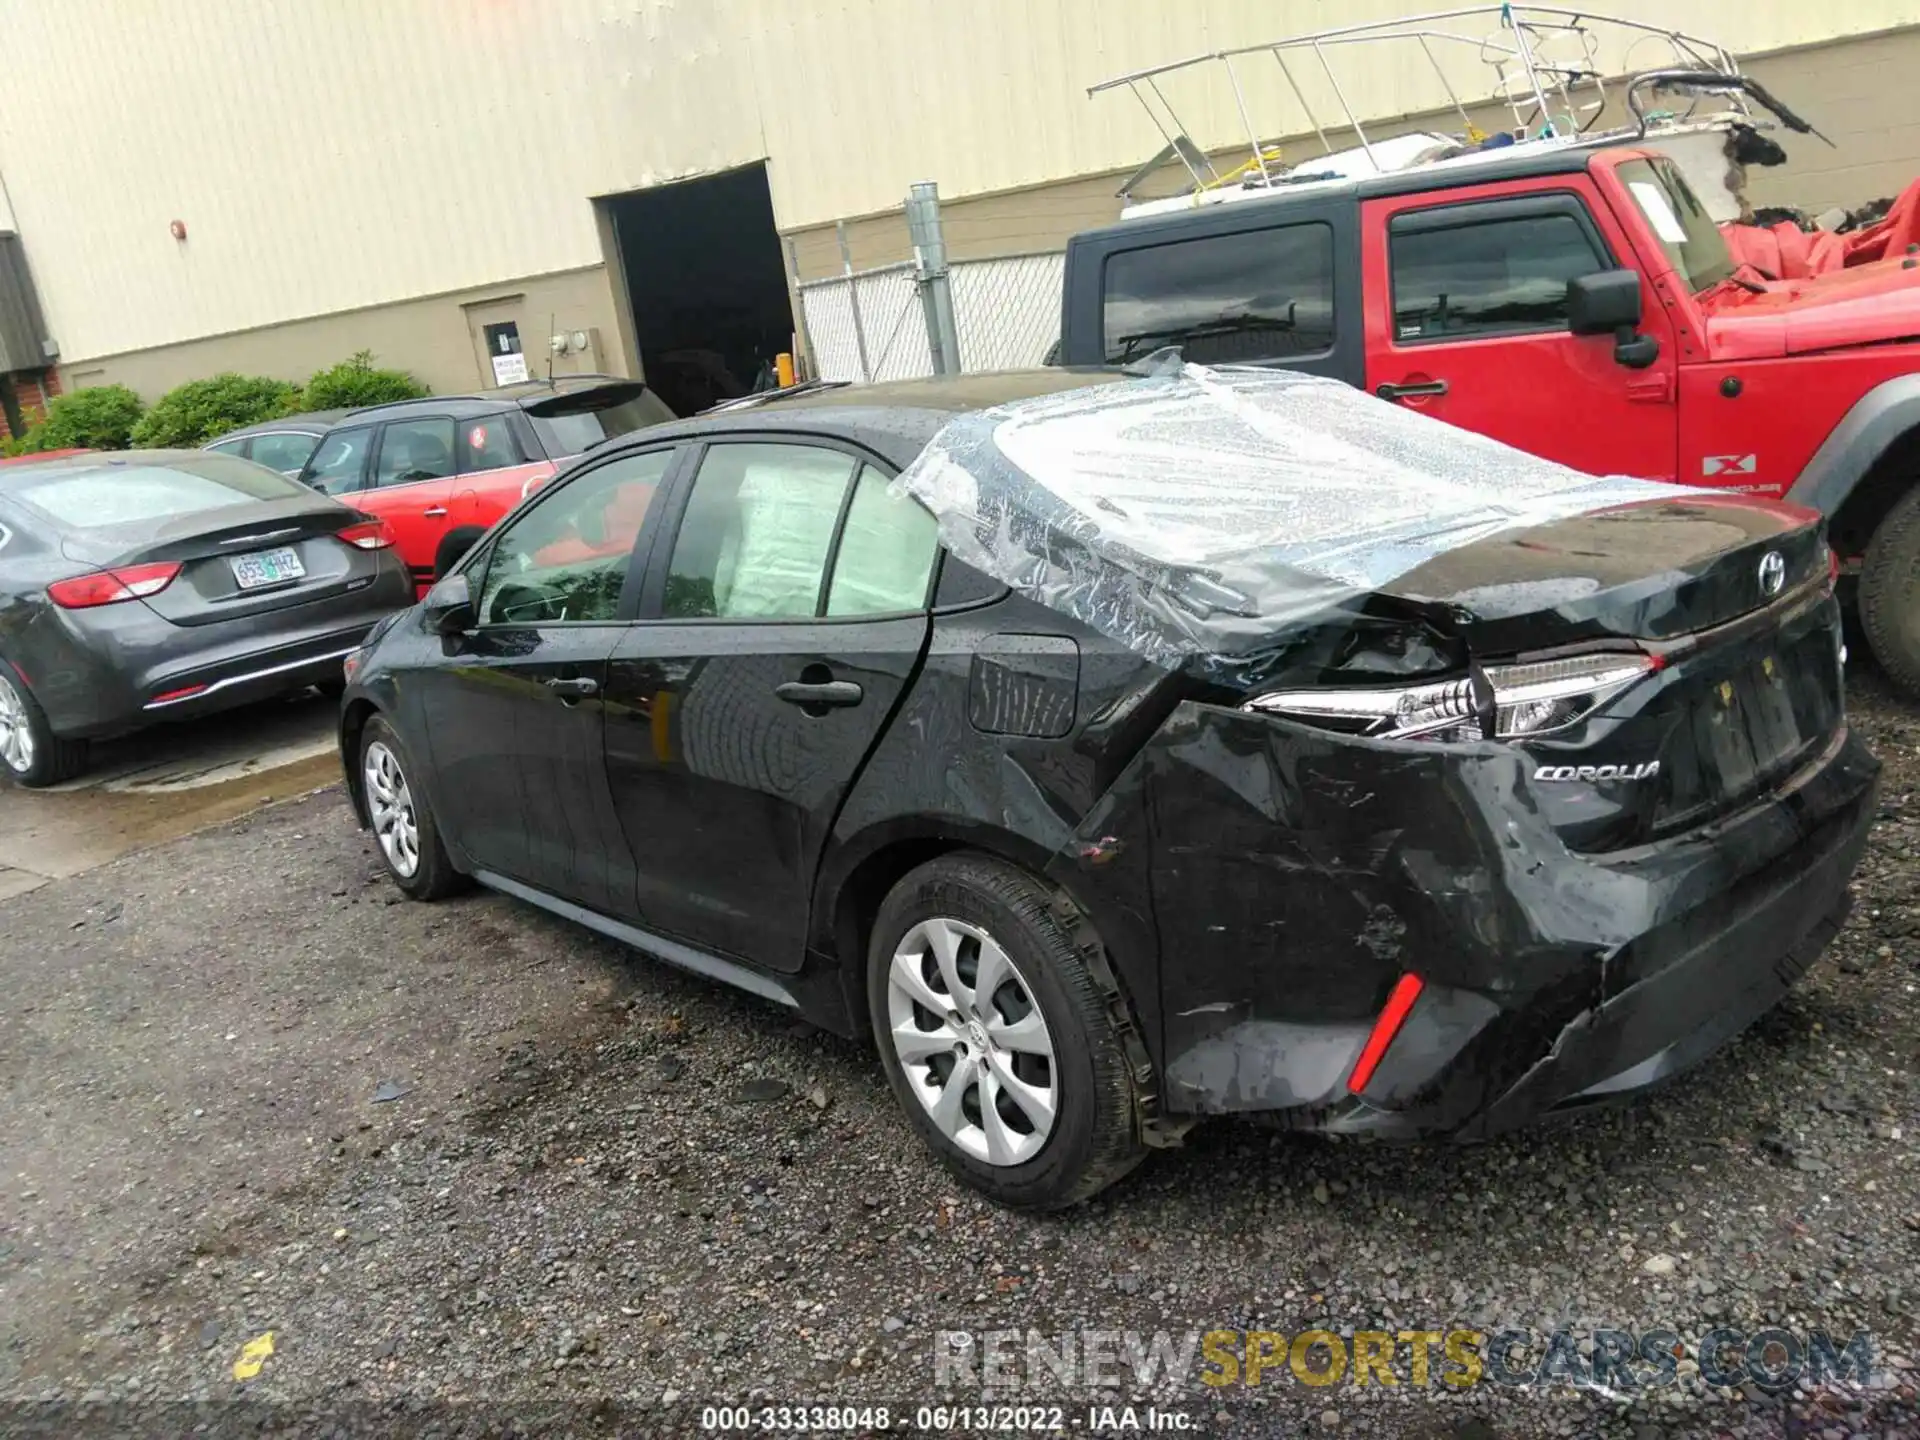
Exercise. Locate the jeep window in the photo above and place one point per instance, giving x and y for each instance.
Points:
(1678, 221)
(1223, 299)
(1487, 277)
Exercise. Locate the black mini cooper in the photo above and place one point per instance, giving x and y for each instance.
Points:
(1432, 835)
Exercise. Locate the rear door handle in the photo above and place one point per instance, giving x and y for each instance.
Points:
(574, 689)
(435, 512)
(820, 695)
(1401, 392)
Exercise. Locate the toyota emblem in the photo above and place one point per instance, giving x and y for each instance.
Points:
(1773, 574)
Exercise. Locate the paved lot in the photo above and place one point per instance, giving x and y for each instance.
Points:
(580, 1195)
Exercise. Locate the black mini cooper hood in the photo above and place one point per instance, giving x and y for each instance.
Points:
(1202, 516)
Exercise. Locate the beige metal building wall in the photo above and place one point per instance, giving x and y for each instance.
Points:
(336, 158)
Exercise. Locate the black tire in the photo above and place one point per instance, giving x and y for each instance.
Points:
(1093, 1141)
(50, 758)
(433, 876)
(1889, 596)
(454, 546)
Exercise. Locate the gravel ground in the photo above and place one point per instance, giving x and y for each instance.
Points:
(606, 1195)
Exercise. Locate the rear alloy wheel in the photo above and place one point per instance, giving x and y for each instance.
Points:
(1890, 594)
(30, 753)
(402, 825)
(997, 1038)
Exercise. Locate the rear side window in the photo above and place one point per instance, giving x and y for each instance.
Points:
(488, 444)
(285, 452)
(758, 529)
(884, 563)
(564, 435)
(1251, 295)
(114, 495)
(414, 450)
(339, 462)
(1487, 277)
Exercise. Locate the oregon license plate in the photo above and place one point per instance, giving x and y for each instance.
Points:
(266, 567)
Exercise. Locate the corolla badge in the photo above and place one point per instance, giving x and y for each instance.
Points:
(1773, 574)
(1644, 771)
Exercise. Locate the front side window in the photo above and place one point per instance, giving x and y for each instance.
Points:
(230, 447)
(285, 452)
(339, 462)
(757, 533)
(1489, 276)
(414, 450)
(565, 560)
(1224, 299)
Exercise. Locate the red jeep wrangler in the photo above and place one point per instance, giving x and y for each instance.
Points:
(1578, 302)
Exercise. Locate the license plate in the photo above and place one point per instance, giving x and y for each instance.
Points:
(266, 567)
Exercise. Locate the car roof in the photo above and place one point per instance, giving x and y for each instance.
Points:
(312, 422)
(476, 403)
(895, 419)
(1495, 166)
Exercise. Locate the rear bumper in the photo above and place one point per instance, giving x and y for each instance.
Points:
(1708, 966)
(118, 668)
(1295, 877)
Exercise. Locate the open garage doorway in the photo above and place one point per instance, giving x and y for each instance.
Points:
(703, 273)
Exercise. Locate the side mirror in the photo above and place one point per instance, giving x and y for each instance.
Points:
(448, 608)
(1604, 303)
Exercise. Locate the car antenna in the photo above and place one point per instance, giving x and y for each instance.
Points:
(553, 318)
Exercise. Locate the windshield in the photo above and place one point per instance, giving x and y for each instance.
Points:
(1679, 221)
(564, 435)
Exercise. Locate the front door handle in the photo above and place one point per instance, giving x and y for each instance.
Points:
(435, 513)
(1401, 392)
(819, 696)
(574, 689)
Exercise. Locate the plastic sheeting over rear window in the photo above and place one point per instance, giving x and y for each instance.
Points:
(1203, 513)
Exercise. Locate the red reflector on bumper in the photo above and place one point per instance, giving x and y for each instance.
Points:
(1392, 1016)
(171, 695)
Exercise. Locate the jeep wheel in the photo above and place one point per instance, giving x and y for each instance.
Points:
(1890, 594)
(996, 1037)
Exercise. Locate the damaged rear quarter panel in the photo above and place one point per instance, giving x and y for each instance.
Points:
(1295, 875)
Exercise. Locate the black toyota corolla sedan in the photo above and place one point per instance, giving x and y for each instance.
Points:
(1117, 752)
(150, 585)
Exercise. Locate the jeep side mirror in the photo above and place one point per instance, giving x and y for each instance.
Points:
(1603, 303)
(1608, 302)
(448, 608)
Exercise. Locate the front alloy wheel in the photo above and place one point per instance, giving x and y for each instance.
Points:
(971, 1042)
(402, 823)
(390, 808)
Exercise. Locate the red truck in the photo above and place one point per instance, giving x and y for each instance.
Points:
(1576, 302)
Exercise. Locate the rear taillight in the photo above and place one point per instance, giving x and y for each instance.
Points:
(367, 535)
(1526, 700)
(110, 587)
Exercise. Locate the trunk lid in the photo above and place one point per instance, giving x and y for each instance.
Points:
(1651, 572)
(1733, 600)
(205, 544)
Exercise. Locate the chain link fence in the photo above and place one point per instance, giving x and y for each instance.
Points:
(871, 326)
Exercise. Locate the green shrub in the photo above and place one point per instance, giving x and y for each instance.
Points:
(355, 382)
(198, 411)
(100, 417)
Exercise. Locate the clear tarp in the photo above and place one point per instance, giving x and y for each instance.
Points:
(1204, 512)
